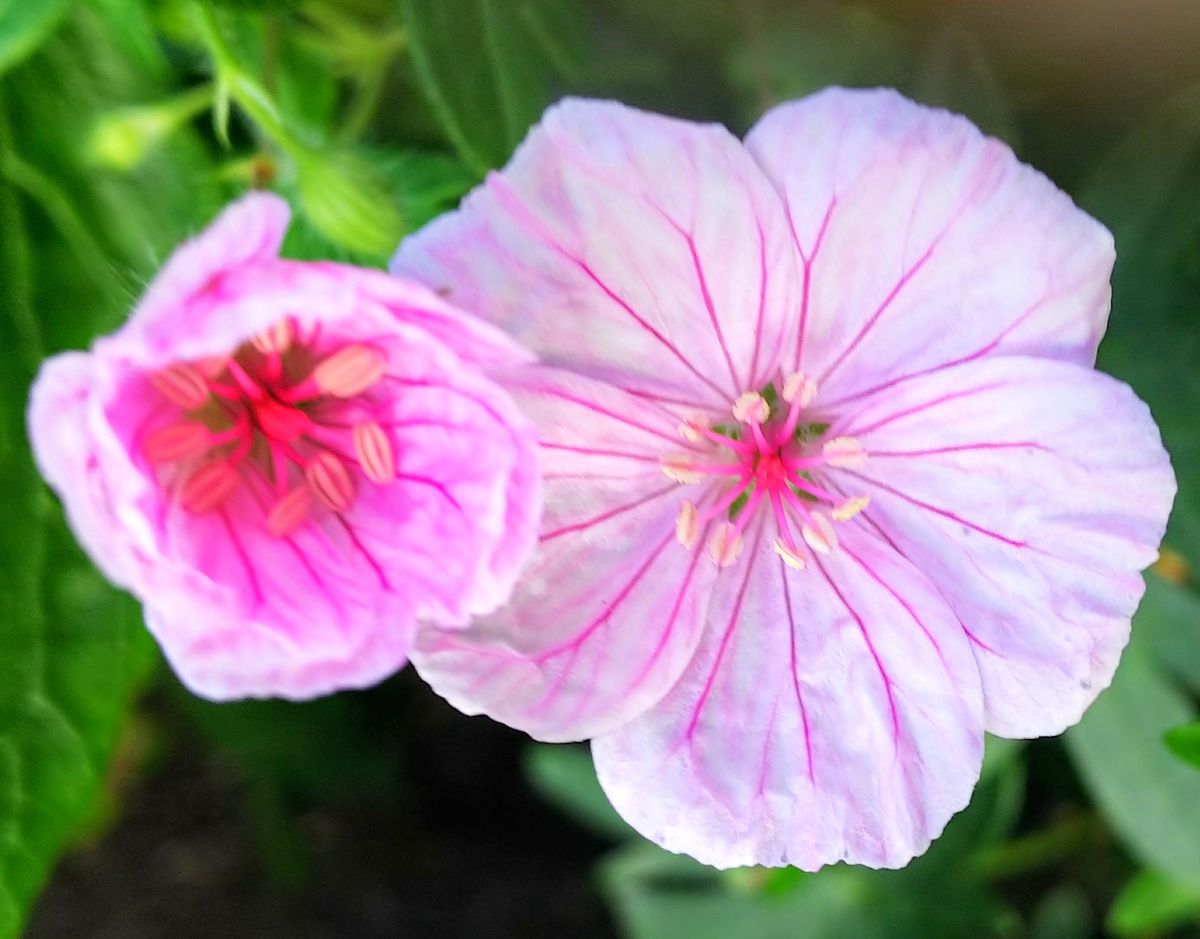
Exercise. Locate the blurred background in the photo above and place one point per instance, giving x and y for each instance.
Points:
(130, 809)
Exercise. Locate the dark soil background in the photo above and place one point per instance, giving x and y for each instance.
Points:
(467, 850)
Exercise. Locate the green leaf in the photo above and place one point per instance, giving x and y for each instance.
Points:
(1184, 742)
(564, 775)
(23, 26)
(1152, 903)
(657, 895)
(1170, 624)
(1150, 798)
(71, 649)
(1064, 913)
(490, 67)
(1147, 190)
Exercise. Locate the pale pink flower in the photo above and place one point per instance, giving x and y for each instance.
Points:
(290, 463)
(831, 485)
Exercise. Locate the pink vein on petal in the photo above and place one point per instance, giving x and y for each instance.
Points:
(606, 516)
(883, 672)
(787, 599)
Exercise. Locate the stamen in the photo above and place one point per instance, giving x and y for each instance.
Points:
(751, 408)
(181, 383)
(819, 534)
(208, 487)
(374, 452)
(790, 555)
(692, 429)
(181, 441)
(687, 525)
(799, 389)
(290, 512)
(331, 482)
(725, 545)
(681, 468)
(275, 339)
(845, 452)
(850, 508)
(350, 371)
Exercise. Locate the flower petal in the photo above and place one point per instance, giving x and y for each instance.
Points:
(908, 219)
(247, 233)
(643, 250)
(830, 714)
(1032, 493)
(607, 614)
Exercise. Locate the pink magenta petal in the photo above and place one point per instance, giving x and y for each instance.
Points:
(925, 243)
(830, 715)
(640, 249)
(245, 603)
(1032, 493)
(610, 609)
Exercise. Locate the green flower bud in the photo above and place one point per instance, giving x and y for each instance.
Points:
(346, 201)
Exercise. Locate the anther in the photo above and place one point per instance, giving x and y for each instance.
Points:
(180, 441)
(850, 508)
(790, 556)
(276, 338)
(819, 534)
(208, 487)
(690, 429)
(845, 452)
(799, 389)
(181, 383)
(330, 480)
(374, 452)
(290, 512)
(350, 371)
(678, 467)
(725, 545)
(751, 407)
(687, 525)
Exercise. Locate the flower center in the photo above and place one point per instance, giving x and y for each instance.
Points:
(775, 456)
(276, 409)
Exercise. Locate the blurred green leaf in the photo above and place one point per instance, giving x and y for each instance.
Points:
(71, 649)
(1152, 903)
(1149, 797)
(1170, 625)
(657, 895)
(1064, 913)
(23, 26)
(954, 72)
(1184, 742)
(1147, 190)
(564, 776)
(802, 48)
(490, 67)
(417, 186)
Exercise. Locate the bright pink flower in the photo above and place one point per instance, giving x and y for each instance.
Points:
(832, 487)
(290, 463)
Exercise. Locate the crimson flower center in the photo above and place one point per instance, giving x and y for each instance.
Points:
(777, 458)
(274, 414)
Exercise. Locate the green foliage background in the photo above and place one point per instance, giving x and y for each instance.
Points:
(126, 124)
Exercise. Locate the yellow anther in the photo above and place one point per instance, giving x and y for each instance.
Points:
(290, 512)
(751, 407)
(375, 453)
(799, 389)
(725, 545)
(819, 534)
(690, 428)
(845, 452)
(687, 525)
(275, 338)
(850, 508)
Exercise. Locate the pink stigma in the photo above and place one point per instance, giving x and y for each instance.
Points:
(275, 412)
